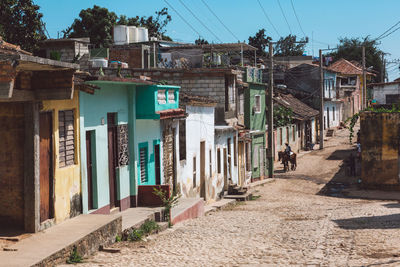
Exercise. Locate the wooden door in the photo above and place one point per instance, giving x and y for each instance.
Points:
(203, 169)
(157, 164)
(46, 166)
(112, 157)
(89, 166)
(225, 170)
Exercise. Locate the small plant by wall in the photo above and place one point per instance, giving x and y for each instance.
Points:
(75, 257)
(168, 202)
(353, 120)
(148, 228)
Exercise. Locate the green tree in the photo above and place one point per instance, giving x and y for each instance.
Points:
(97, 23)
(21, 24)
(260, 41)
(287, 46)
(351, 49)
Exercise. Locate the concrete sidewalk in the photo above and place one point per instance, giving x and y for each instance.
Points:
(88, 232)
(55, 244)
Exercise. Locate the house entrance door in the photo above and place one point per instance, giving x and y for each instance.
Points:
(157, 164)
(89, 169)
(46, 166)
(203, 169)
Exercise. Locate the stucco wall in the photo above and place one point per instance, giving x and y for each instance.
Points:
(199, 127)
(380, 92)
(112, 97)
(380, 150)
(67, 180)
(148, 132)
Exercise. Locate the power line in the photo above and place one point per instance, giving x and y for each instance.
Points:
(283, 13)
(183, 18)
(380, 36)
(220, 21)
(389, 33)
(270, 22)
(205, 26)
(297, 18)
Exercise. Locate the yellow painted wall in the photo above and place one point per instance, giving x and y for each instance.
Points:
(67, 180)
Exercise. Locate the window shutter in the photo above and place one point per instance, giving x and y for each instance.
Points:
(66, 138)
(143, 164)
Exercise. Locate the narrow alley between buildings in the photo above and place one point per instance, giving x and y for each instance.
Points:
(301, 218)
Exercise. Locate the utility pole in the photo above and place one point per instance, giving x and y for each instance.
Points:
(383, 68)
(364, 89)
(321, 101)
(270, 118)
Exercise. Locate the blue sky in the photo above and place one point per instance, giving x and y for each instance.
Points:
(326, 21)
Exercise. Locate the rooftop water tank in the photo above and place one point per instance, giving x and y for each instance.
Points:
(133, 34)
(121, 35)
(99, 63)
(143, 34)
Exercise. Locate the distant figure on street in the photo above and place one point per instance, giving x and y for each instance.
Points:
(288, 149)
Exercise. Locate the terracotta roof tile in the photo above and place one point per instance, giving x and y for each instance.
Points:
(172, 113)
(346, 67)
(10, 49)
(300, 110)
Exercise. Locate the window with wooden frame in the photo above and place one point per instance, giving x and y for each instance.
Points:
(219, 160)
(194, 172)
(182, 139)
(66, 134)
(257, 103)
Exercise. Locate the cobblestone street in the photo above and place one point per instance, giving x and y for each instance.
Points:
(293, 223)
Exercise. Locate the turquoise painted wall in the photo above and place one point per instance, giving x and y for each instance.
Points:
(148, 105)
(111, 97)
(148, 133)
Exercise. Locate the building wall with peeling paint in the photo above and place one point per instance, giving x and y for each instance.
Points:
(199, 127)
(67, 180)
(380, 163)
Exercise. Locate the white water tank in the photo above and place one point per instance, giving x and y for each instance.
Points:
(121, 34)
(143, 34)
(99, 63)
(133, 34)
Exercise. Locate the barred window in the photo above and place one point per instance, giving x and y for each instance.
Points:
(171, 96)
(66, 137)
